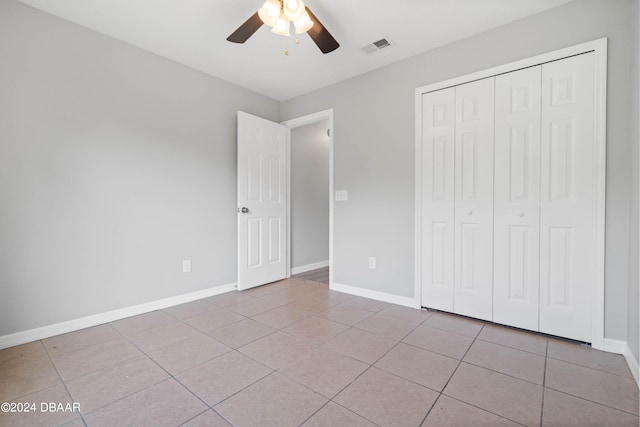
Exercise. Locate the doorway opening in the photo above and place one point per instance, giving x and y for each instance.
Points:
(310, 189)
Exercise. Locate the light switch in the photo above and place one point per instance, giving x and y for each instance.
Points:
(342, 195)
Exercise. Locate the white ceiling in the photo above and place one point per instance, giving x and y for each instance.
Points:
(194, 32)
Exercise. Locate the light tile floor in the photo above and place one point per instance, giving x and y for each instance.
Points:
(296, 353)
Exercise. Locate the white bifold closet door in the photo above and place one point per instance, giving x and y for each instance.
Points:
(567, 240)
(473, 224)
(544, 245)
(438, 148)
(508, 198)
(457, 202)
(517, 199)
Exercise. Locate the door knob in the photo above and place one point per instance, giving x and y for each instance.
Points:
(243, 210)
(520, 214)
(470, 213)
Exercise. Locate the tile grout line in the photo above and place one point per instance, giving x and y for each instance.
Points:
(457, 367)
(249, 385)
(482, 409)
(21, 396)
(593, 401)
(590, 367)
(544, 382)
(479, 366)
(193, 418)
(148, 387)
(345, 408)
(64, 383)
(171, 376)
(371, 365)
(453, 373)
(315, 412)
(268, 367)
(512, 348)
(435, 402)
(211, 407)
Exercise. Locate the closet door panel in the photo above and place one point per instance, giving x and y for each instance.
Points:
(473, 263)
(438, 133)
(517, 199)
(567, 251)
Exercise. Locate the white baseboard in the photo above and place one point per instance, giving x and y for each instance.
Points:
(633, 364)
(622, 347)
(24, 337)
(309, 267)
(376, 295)
(614, 346)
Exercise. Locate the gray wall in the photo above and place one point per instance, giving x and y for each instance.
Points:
(309, 194)
(633, 302)
(374, 144)
(115, 164)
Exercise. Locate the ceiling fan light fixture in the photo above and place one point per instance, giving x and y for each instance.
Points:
(293, 9)
(282, 26)
(303, 24)
(270, 12)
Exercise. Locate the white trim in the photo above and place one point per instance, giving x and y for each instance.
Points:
(622, 347)
(292, 124)
(614, 346)
(417, 263)
(595, 45)
(633, 364)
(378, 296)
(599, 47)
(635, 367)
(24, 337)
(309, 267)
(599, 190)
(308, 119)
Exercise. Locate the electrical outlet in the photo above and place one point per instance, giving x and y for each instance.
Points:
(186, 266)
(372, 263)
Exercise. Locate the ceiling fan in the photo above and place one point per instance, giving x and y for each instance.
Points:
(279, 14)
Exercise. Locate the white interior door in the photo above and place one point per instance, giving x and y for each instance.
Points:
(517, 199)
(262, 203)
(567, 227)
(438, 141)
(473, 233)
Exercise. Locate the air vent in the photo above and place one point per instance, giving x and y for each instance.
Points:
(377, 45)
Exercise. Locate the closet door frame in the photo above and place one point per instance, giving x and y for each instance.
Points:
(599, 47)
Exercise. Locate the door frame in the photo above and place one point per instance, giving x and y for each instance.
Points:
(599, 47)
(292, 124)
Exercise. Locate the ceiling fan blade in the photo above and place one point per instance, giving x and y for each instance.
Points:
(246, 30)
(321, 36)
